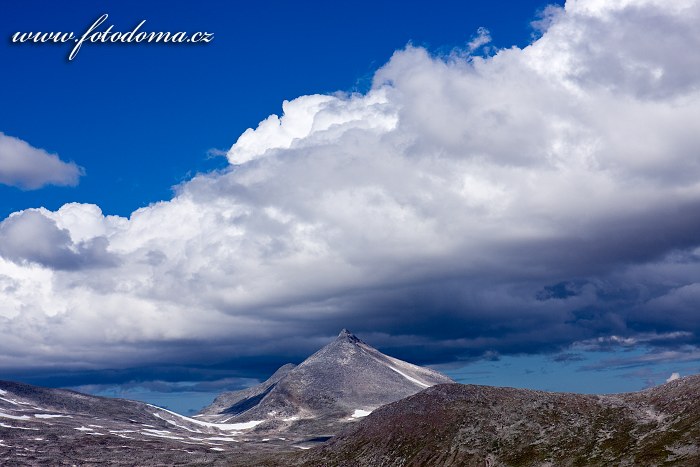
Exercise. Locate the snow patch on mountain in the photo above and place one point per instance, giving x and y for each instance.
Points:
(160, 434)
(13, 417)
(2, 425)
(220, 426)
(221, 438)
(360, 413)
(414, 380)
(49, 415)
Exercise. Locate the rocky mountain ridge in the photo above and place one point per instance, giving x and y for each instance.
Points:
(296, 408)
(351, 405)
(342, 382)
(42, 426)
(468, 425)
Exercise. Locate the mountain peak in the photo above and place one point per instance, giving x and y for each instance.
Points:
(344, 378)
(347, 335)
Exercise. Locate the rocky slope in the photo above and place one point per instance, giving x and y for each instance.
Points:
(236, 402)
(41, 426)
(342, 382)
(296, 408)
(465, 425)
(344, 392)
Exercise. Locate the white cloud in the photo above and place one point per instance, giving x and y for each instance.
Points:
(29, 168)
(33, 236)
(674, 376)
(440, 202)
(482, 38)
(313, 120)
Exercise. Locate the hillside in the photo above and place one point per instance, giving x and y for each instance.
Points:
(467, 425)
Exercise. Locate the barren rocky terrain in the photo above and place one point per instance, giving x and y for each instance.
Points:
(333, 388)
(350, 405)
(40, 426)
(299, 407)
(467, 425)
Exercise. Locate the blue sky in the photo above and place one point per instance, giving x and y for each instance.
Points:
(511, 202)
(143, 118)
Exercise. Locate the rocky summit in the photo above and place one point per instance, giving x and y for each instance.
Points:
(341, 383)
(297, 408)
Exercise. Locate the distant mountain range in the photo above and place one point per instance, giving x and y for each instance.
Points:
(350, 405)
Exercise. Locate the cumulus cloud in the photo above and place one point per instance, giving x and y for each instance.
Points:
(518, 202)
(674, 376)
(29, 168)
(31, 236)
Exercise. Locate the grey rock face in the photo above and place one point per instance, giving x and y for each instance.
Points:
(237, 402)
(343, 381)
